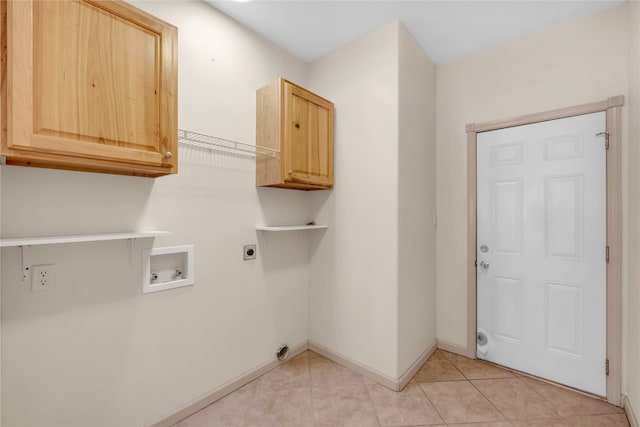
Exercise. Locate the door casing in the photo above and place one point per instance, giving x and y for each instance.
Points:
(612, 106)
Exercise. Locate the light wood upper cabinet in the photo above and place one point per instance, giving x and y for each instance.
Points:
(89, 85)
(299, 124)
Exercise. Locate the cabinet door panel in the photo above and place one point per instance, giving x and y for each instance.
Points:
(308, 138)
(296, 134)
(322, 156)
(97, 82)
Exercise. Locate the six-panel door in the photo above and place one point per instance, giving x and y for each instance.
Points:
(542, 249)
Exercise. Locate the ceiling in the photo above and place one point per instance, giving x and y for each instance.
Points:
(446, 30)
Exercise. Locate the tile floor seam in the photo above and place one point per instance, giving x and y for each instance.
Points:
(542, 398)
(313, 409)
(540, 394)
(255, 405)
(373, 405)
(247, 405)
(459, 371)
(489, 400)
(308, 378)
(430, 401)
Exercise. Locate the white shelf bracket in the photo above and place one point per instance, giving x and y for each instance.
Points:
(131, 244)
(25, 262)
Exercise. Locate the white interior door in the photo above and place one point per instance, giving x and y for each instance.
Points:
(541, 224)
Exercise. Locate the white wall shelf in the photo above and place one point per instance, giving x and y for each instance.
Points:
(79, 238)
(24, 243)
(290, 227)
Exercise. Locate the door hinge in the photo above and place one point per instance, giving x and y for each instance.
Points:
(606, 367)
(475, 263)
(607, 254)
(606, 138)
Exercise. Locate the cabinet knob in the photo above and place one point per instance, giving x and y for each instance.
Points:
(168, 154)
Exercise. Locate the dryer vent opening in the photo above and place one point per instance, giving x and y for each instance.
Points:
(282, 352)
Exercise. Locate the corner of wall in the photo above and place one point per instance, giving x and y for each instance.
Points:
(631, 319)
(416, 202)
(353, 297)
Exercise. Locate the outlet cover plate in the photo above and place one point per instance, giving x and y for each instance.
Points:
(42, 278)
(249, 252)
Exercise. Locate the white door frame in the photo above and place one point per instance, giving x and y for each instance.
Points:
(613, 107)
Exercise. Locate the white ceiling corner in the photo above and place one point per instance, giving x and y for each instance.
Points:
(446, 30)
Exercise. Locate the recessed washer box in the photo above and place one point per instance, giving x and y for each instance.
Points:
(167, 268)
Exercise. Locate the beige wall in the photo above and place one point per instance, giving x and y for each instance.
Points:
(366, 288)
(631, 352)
(416, 202)
(353, 271)
(96, 351)
(372, 275)
(576, 63)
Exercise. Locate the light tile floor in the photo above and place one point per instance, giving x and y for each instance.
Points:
(312, 391)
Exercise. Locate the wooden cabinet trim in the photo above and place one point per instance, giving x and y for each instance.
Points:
(21, 141)
(306, 161)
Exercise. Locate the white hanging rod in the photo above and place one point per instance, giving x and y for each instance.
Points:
(209, 142)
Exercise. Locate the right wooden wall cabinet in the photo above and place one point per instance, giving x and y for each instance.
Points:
(299, 124)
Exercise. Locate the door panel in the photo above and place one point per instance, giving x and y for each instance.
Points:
(308, 139)
(541, 236)
(506, 308)
(563, 309)
(564, 209)
(507, 217)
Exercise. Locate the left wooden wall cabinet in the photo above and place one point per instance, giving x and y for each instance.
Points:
(88, 85)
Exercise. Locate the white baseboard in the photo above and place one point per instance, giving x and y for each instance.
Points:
(347, 362)
(626, 404)
(453, 348)
(230, 386)
(415, 367)
(374, 375)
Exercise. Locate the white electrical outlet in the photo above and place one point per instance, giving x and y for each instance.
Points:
(42, 278)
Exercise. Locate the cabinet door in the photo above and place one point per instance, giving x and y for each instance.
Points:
(91, 81)
(308, 138)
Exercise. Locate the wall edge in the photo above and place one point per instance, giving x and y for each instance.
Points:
(628, 410)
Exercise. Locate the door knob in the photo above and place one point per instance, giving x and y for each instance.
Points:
(168, 154)
(484, 265)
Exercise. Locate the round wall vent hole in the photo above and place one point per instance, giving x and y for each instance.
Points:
(282, 352)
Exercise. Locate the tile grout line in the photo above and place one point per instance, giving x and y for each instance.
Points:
(513, 376)
(489, 400)
(313, 411)
(522, 380)
(366, 389)
(254, 392)
(550, 403)
(432, 404)
(425, 393)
